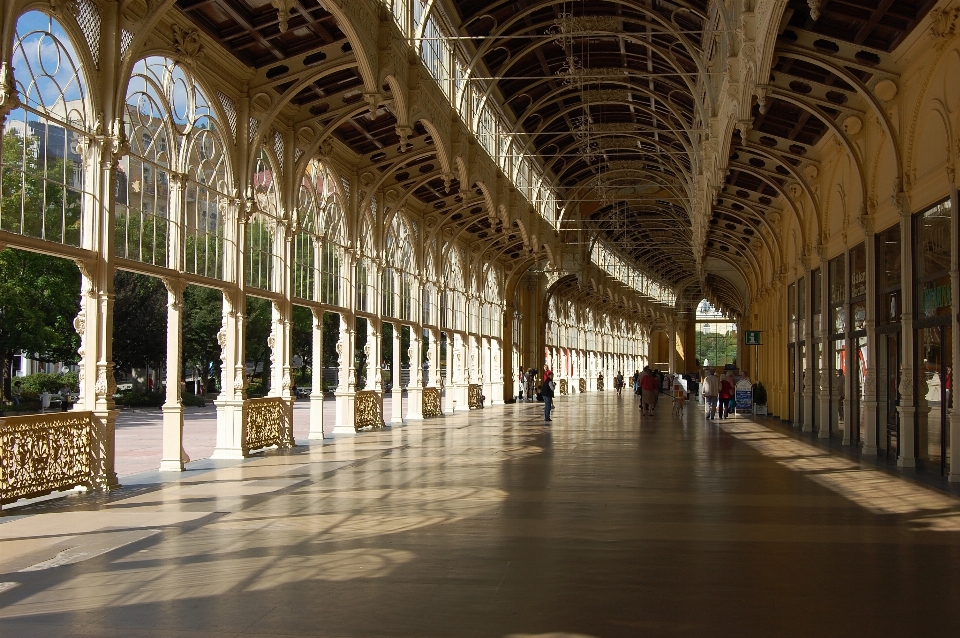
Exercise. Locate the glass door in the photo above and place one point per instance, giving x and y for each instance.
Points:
(791, 380)
(838, 385)
(934, 361)
(803, 372)
(888, 393)
(815, 417)
(860, 375)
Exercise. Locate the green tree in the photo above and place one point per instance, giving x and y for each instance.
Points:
(303, 339)
(359, 356)
(139, 321)
(202, 320)
(719, 348)
(39, 298)
(257, 325)
(331, 336)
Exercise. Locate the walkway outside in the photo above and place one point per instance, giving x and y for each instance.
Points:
(490, 524)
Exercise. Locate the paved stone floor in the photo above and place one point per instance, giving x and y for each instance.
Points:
(139, 436)
(490, 524)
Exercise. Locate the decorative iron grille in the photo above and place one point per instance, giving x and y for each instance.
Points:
(268, 424)
(40, 454)
(474, 396)
(431, 402)
(368, 411)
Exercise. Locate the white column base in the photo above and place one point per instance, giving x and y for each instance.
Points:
(461, 393)
(907, 462)
(396, 407)
(231, 415)
(173, 455)
(345, 417)
(870, 450)
(316, 418)
(414, 404)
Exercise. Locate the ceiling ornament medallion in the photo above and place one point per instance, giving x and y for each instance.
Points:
(283, 8)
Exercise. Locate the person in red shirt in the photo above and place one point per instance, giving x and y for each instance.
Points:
(648, 392)
(726, 393)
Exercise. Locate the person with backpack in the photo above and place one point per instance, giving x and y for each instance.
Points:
(711, 391)
(546, 390)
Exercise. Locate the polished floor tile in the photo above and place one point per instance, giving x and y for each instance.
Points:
(491, 524)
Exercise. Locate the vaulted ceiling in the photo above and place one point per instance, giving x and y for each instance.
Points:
(613, 97)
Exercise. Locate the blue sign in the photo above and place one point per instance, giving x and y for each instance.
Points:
(744, 395)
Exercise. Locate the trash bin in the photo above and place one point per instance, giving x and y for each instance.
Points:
(44, 400)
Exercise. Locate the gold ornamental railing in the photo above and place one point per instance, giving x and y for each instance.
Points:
(368, 410)
(582, 385)
(45, 453)
(268, 424)
(431, 402)
(563, 387)
(474, 394)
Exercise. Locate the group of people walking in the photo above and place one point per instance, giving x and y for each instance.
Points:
(647, 384)
(720, 394)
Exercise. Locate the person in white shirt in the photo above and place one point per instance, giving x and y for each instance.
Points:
(711, 390)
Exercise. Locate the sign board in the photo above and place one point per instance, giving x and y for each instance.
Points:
(751, 337)
(744, 392)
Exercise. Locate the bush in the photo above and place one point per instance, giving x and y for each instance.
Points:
(139, 399)
(43, 382)
(759, 394)
(192, 400)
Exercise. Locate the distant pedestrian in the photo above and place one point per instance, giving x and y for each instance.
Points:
(546, 390)
(726, 393)
(648, 392)
(16, 392)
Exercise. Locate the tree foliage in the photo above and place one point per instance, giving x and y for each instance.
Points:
(303, 338)
(202, 320)
(331, 336)
(719, 348)
(139, 321)
(39, 298)
(257, 325)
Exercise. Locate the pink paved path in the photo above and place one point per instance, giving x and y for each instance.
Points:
(140, 433)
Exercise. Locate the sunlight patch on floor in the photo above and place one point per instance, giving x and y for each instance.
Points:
(873, 490)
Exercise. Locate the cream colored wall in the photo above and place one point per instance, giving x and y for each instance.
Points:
(925, 119)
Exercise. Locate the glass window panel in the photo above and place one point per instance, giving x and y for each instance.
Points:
(934, 297)
(858, 271)
(792, 312)
(932, 241)
(801, 308)
(888, 253)
(816, 295)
